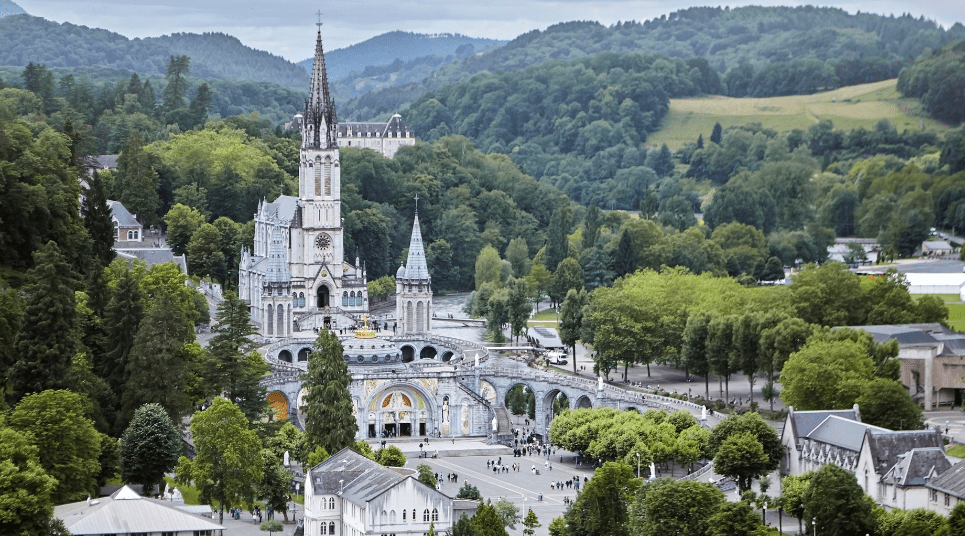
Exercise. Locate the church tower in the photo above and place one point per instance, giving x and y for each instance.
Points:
(412, 285)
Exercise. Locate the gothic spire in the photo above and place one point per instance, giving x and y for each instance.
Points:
(318, 127)
(415, 265)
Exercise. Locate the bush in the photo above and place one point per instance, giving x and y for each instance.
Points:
(469, 491)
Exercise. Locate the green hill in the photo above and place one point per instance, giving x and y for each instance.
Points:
(849, 107)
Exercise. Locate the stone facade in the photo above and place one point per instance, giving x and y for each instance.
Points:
(297, 278)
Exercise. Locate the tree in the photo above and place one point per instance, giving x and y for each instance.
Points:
(487, 521)
(328, 405)
(777, 343)
(149, 447)
(569, 275)
(540, 281)
(205, 257)
(497, 312)
(837, 502)
(557, 245)
(825, 375)
(717, 134)
(272, 525)
(571, 319)
(25, 488)
(158, 368)
(121, 319)
(734, 518)
(760, 431)
(488, 267)
(886, 403)
(625, 258)
(517, 253)
(136, 183)
(228, 464)
(742, 456)
(683, 507)
(956, 519)
(519, 306)
(68, 445)
(531, 522)
(601, 507)
(319, 455)
(793, 489)
(829, 295)
(426, 475)
(182, 221)
(694, 349)
(390, 456)
(468, 491)
(97, 219)
(230, 369)
(463, 527)
(48, 340)
(592, 221)
(508, 513)
(275, 484)
(661, 161)
(176, 89)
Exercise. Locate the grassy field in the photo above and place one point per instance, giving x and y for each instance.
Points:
(957, 451)
(848, 107)
(547, 315)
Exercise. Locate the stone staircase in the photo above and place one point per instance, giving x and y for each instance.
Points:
(503, 424)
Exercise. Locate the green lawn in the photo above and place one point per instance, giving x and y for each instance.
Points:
(957, 451)
(548, 316)
(848, 107)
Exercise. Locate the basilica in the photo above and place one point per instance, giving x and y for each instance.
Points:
(296, 278)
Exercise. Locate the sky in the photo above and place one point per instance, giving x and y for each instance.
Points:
(286, 27)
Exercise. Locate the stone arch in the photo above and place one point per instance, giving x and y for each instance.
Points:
(303, 354)
(408, 353)
(583, 402)
(277, 406)
(285, 356)
(487, 391)
(428, 352)
(522, 404)
(403, 409)
(447, 355)
(549, 408)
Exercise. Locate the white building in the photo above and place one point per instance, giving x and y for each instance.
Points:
(351, 495)
(385, 138)
(297, 277)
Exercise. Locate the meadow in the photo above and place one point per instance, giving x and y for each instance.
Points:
(847, 107)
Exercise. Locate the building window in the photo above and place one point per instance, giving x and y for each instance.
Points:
(324, 529)
(383, 517)
(392, 517)
(947, 499)
(344, 299)
(435, 514)
(413, 514)
(331, 503)
(932, 495)
(403, 515)
(201, 533)
(425, 515)
(331, 528)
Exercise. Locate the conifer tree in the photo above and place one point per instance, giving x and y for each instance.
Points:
(48, 340)
(157, 368)
(718, 134)
(531, 522)
(625, 259)
(557, 246)
(329, 421)
(231, 368)
(97, 220)
(591, 225)
(149, 447)
(122, 317)
(175, 91)
(136, 185)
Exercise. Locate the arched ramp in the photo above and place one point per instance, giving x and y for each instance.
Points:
(447, 356)
(428, 353)
(285, 356)
(583, 402)
(408, 354)
(303, 354)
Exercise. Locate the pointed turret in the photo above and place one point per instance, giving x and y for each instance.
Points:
(318, 127)
(415, 264)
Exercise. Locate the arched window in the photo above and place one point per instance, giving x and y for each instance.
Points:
(281, 320)
(331, 527)
(344, 299)
(403, 515)
(420, 313)
(435, 514)
(328, 176)
(331, 503)
(409, 325)
(116, 231)
(271, 317)
(324, 529)
(425, 515)
(413, 514)
(392, 517)
(318, 175)
(383, 517)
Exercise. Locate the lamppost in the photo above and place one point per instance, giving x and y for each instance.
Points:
(814, 522)
(638, 465)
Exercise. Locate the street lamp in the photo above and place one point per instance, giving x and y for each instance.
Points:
(638, 465)
(814, 522)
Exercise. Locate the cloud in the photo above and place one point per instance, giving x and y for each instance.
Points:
(286, 27)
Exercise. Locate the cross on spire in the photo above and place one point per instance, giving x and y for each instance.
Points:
(319, 23)
(417, 202)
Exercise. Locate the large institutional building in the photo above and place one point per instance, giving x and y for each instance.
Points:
(297, 278)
